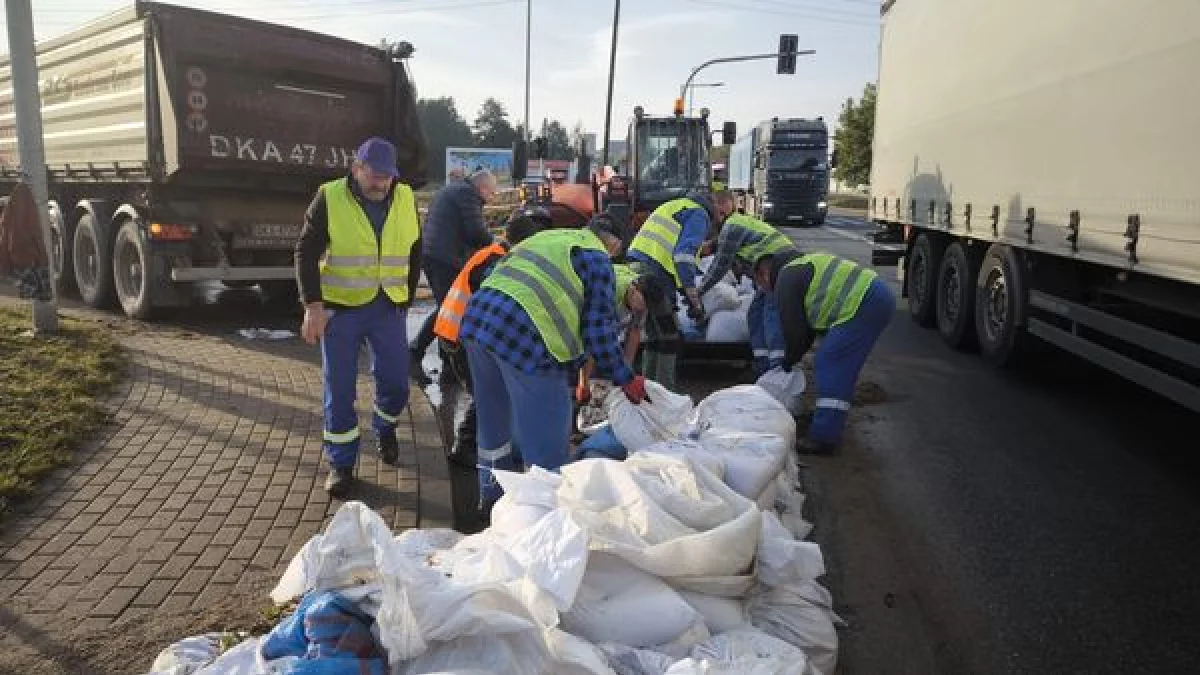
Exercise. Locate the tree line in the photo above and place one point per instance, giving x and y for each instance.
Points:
(445, 127)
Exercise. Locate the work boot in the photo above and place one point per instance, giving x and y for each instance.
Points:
(339, 481)
(807, 446)
(416, 371)
(389, 448)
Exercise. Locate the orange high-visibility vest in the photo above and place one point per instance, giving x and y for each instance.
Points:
(450, 314)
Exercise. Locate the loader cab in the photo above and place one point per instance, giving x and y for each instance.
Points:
(668, 158)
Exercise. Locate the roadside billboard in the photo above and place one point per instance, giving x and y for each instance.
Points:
(462, 162)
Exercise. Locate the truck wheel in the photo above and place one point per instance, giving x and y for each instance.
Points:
(133, 271)
(92, 261)
(1000, 306)
(61, 255)
(956, 297)
(921, 277)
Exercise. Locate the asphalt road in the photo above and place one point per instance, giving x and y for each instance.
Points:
(1042, 521)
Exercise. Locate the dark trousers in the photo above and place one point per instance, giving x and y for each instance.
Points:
(441, 276)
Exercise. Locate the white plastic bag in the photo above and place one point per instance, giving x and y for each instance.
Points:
(691, 449)
(242, 659)
(662, 417)
(625, 660)
(575, 656)
(188, 655)
(727, 326)
(752, 460)
(511, 653)
(620, 603)
(720, 614)
(527, 498)
(754, 650)
(721, 297)
(783, 560)
(787, 388)
(800, 614)
(746, 407)
(342, 559)
(667, 515)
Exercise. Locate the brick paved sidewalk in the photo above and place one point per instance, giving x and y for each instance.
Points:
(207, 481)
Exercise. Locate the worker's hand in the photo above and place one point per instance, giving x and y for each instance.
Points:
(583, 394)
(635, 390)
(706, 249)
(313, 326)
(696, 313)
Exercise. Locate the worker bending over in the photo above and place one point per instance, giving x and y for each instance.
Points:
(666, 249)
(742, 241)
(544, 308)
(848, 305)
(524, 223)
(631, 314)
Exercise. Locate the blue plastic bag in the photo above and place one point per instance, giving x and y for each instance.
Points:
(603, 445)
(331, 636)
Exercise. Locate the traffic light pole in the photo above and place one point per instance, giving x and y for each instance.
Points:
(27, 104)
(736, 59)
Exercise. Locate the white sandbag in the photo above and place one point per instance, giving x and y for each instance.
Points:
(680, 447)
(575, 656)
(626, 660)
(800, 614)
(721, 297)
(768, 500)
(660, 418)
(785, 387)
(782, 559)
(746, 407)
(527, 498)
(342, 559)
(727, 326)
(753, 649)
(720, 614)
(752, 460)
(523, 652)
(667, 515)
(729, 586)
(243, 659)
(188, 655)
(620, 603)
(690, 666)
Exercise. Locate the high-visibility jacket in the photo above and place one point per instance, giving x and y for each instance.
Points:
(836, 290)
(358, 263)
(765, 240)
(538, 274)
(659, 235)
(625, 276)
(450, 314)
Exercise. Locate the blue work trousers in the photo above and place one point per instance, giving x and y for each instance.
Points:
(522, 419)
(380, 325)
(840, 358)
(766, 332)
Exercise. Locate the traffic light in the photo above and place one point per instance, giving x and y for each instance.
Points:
(539, 148)
(788, 44)
(520, 160)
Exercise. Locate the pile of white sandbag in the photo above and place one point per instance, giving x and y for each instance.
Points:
(686, 558)
(726, 305)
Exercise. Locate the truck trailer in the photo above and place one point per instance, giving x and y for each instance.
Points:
(1040, 163)
(184, 146)
(779, 171)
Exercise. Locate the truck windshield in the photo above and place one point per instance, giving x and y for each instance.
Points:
(798, 159)
(672, 158)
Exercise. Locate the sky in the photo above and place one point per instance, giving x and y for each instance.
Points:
(474, 49)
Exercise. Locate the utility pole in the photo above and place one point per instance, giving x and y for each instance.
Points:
(612, 72)
(27, 104)
(528, 32)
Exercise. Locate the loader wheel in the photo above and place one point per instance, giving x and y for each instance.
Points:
(92, 258)
(956, 297)
(1001, 298)
(921, 277)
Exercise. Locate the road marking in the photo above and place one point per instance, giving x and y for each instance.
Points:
(861, 237)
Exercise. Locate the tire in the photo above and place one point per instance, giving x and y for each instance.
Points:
(91, 258)
(280, 293)
(133, 272)
(956, 297)
(1001, 297)
(62, 258)
(921, 278)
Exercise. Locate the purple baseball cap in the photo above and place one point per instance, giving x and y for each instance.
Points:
(378, 154)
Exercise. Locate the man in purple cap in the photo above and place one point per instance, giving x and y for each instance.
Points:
(357, 265)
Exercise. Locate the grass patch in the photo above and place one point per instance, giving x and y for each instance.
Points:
(49, 396)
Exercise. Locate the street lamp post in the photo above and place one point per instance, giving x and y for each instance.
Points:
(736, 59)
(692, 92)
(612, 71)
(528, 31)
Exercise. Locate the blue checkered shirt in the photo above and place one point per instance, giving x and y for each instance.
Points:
(498, 323)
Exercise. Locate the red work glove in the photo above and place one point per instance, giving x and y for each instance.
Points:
(583, 394)
(635, 390)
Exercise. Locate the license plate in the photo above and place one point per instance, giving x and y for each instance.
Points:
(795, 217)
(267, 235)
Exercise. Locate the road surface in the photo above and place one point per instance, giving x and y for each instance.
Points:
(986, 522)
